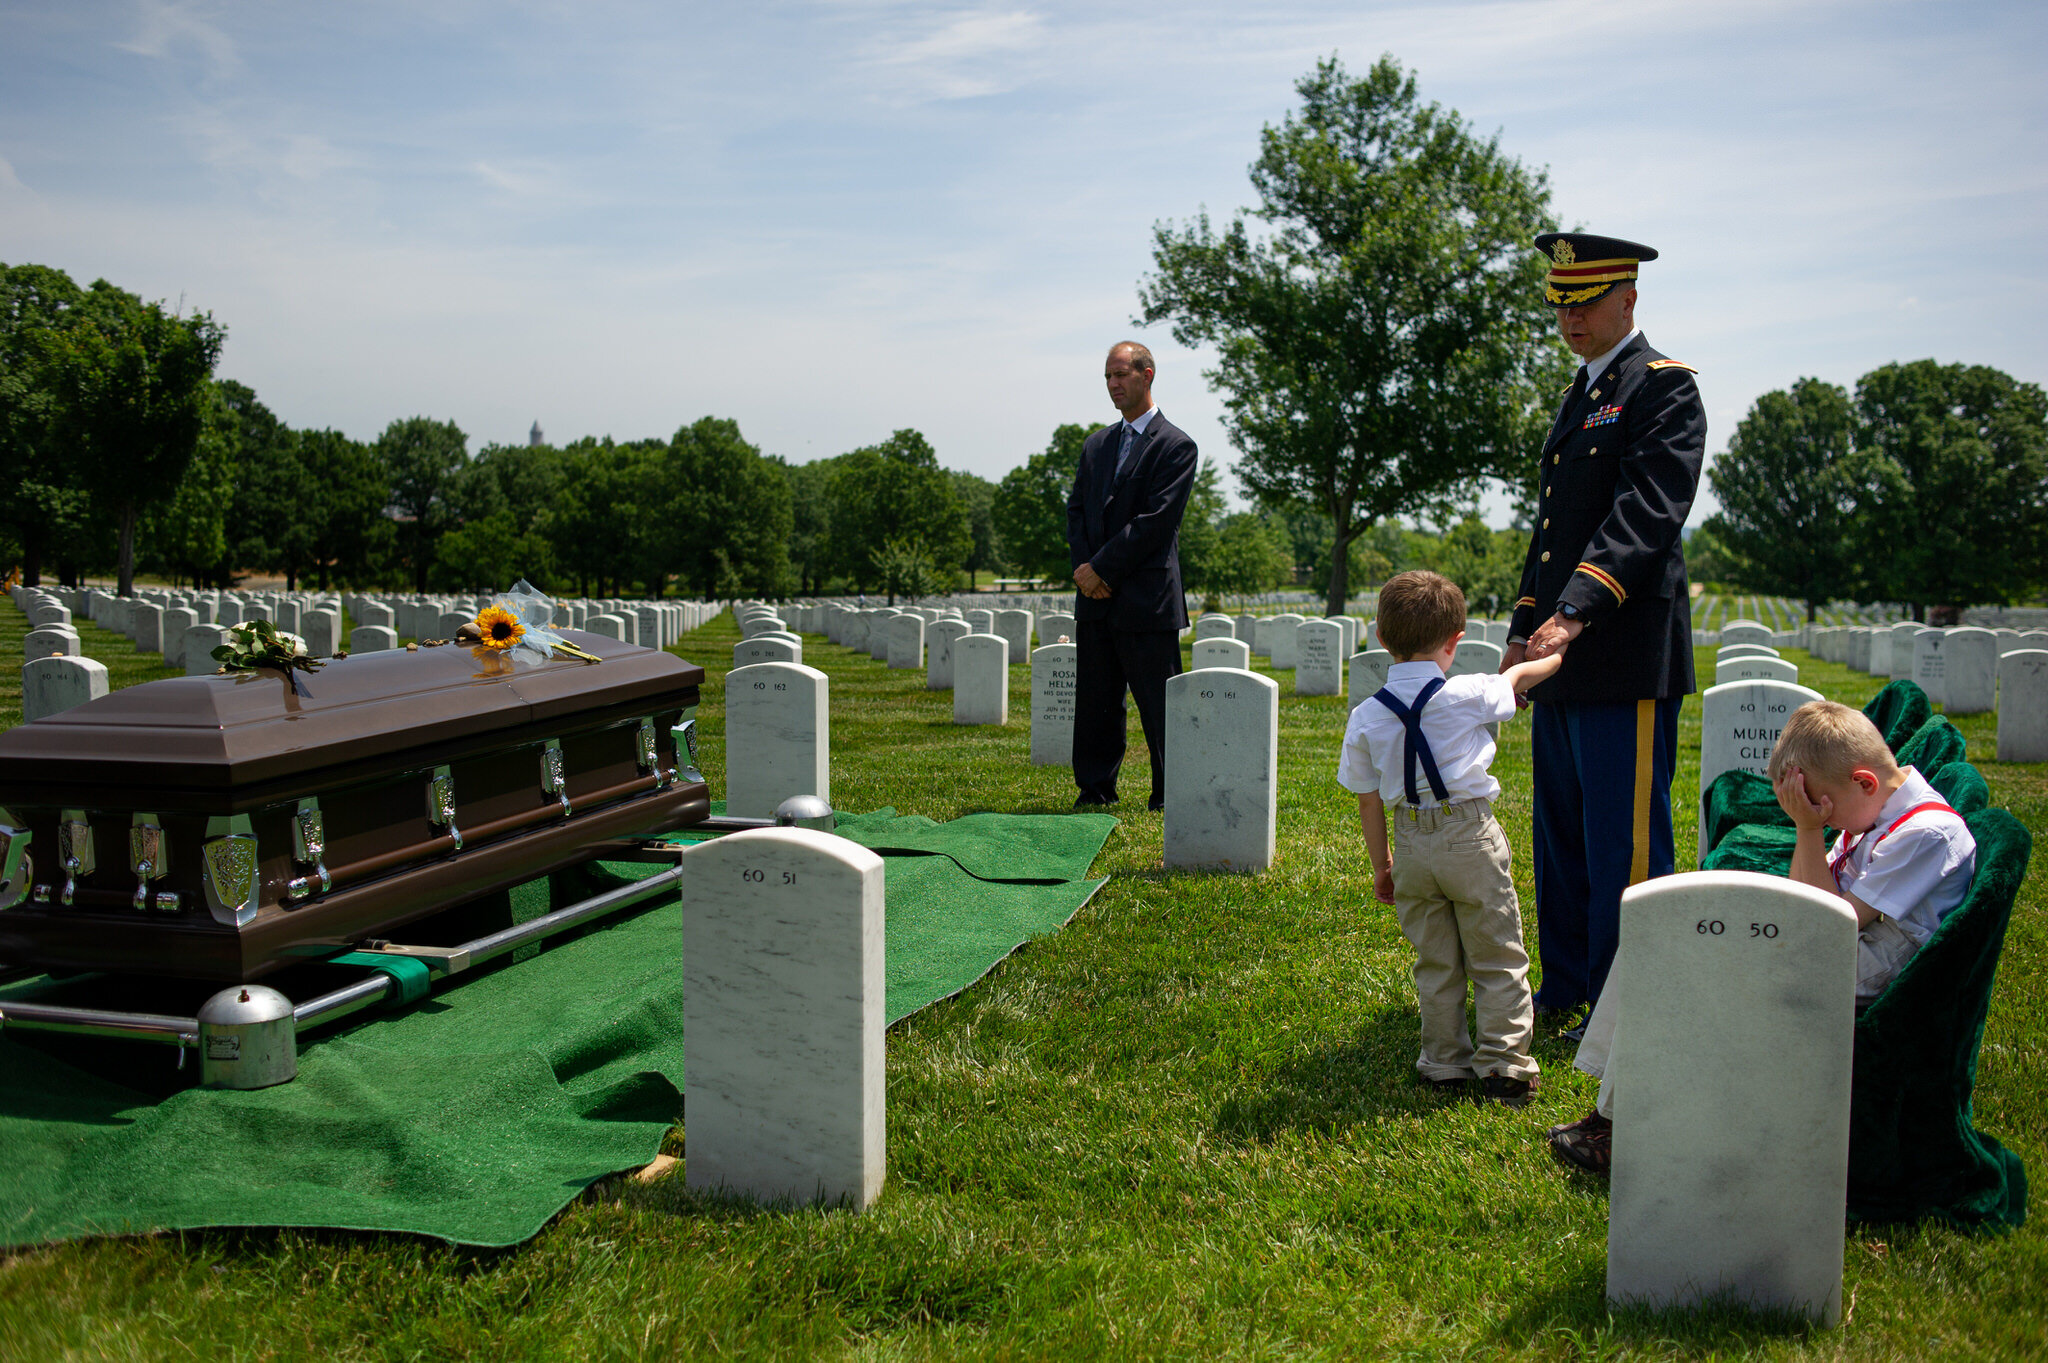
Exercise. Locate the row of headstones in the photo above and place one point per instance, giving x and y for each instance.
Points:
(1962, 668)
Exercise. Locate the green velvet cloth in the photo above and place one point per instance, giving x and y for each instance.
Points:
(1901, 713)
(1933, 746)
(1913, 1150)
(1898, 711)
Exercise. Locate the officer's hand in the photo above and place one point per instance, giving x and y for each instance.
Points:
(1553, 635)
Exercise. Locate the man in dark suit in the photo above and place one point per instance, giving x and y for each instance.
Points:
(1605, 580)
(1123, 530)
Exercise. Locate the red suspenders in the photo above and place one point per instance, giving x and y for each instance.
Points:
(1848, 848)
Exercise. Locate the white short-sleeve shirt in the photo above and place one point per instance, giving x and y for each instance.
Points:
(1454, 723)
(1916, 874)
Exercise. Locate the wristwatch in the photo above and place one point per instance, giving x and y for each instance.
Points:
(1567, 611)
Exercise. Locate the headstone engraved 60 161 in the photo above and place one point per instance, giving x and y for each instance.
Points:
(1730, 1071)
(1052, 704)
(778, 737)
(783, 993)
(1222, 768)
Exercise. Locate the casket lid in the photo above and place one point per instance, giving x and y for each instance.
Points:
(220, 733)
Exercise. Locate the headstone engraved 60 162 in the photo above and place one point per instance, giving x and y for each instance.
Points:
(1052, 704)
(1730, 1071)
(1739, 724)
(778, 737)
(783, 993)
(1222, 768)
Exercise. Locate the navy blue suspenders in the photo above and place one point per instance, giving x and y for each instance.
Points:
(1413, 744)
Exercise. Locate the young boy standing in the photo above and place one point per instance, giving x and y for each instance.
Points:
(1420, 748)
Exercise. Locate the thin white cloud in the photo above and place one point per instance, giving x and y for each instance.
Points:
(166, 29)
(961, 54)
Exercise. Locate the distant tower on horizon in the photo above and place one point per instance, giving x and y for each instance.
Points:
(534, 437)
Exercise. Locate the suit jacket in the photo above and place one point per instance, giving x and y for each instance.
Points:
(1128, 528)
(1618, 476)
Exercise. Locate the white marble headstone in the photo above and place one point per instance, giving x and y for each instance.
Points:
(1971, 671)
(765, 649)
(1262, 637)
(778, 737)
(938, 667)
(1368, 673)
(52, 685)
(784, 989)
(1015, 628)
(1319, 658)
(1053, 668)
(1739, 724)
(1247, 630)
(1215, 627)
(1745, 651)
(1930, 664)
(1475, 655)
(1747, 668)
(1222, 769)
(372, 639)
(981, 679)
(1056, 625)
(881, 626)
(1901, 645)
(906, 642)
(1282, 643)
(51, 641)
(1221, 652)
(981, 621)
(2023, 706)
(1730, 1074)
(1745, 632)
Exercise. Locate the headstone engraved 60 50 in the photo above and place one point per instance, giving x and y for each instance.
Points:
(1730, 1071)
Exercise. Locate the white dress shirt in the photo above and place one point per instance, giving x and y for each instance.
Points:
(1454, 724)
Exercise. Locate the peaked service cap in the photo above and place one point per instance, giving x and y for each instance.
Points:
(1584, 267)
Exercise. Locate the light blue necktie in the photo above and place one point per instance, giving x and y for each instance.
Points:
(1123, 454)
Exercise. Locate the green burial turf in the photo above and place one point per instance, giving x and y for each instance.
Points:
(1184, 1127)
(475, 1116)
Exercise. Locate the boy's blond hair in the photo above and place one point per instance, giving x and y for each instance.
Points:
(1419, 612)
(1830, 740)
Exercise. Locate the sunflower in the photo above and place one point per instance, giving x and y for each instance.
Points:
(500, 628)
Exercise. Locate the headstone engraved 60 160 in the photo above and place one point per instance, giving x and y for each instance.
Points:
(1739, 724)
(1052, 704)
(1730, 1071)
(783, 993)
(1222, 769)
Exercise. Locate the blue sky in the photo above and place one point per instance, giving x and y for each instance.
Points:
(828, 220)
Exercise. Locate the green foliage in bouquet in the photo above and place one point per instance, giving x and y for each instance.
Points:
(258, 644)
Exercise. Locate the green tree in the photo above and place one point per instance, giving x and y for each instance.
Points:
(1486, 564)
(599, 535)
(726, 521)
(890, 499)
(187, 535)
(1201, 533)
(810, 512)
(1385, 343)
(1954, 471)
(1788, 498)
(423, 463)
(276, 502)
(977, 499)
(352, 538)
(1252, 555)
(130, 382)
(1029, 510)
(1712, 564)
(43, 505)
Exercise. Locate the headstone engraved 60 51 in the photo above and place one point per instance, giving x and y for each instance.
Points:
(1739, 723)
(1730, 1072)
(1222, 768)
(783, 990)
(1052, 704)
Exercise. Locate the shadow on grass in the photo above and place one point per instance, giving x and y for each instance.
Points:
(1336, 1088)
(1574, 1313)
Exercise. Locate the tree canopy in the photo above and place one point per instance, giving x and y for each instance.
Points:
(1384, 343)
(1788, 494)
(1029, 510)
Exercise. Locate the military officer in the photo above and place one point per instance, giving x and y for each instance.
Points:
(1605, 580)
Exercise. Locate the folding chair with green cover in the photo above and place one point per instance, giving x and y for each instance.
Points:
(1734, 798)
(1913, 1150)
(1933, 746)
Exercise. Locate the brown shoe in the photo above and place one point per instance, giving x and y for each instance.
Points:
(1586, 1144)
(1453, 1085)
(1505, 1088)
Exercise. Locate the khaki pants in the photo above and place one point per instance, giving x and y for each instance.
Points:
(1455, 900)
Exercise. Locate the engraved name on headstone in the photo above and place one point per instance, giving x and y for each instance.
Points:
(1052, 704)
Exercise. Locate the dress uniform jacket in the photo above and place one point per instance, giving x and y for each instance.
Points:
(1620, 469)
(1128, 528)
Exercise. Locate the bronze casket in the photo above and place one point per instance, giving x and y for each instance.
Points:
(221, 827)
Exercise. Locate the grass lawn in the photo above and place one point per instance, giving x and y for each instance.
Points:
(1186, 1126)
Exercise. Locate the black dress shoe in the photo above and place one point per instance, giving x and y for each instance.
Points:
(1156, 803)
(1093, 801)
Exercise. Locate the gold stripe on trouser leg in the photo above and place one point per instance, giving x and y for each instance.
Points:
(1646, 772)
